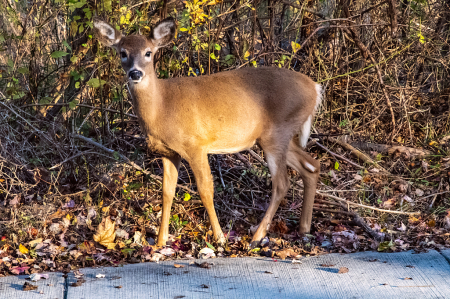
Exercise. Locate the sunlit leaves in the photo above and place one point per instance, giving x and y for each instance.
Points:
(58, 54)
(95, 82)
(295, 46)
(105, 234)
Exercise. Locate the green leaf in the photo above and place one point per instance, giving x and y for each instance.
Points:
(67, 45)
(73, 104)
(127, 251)
(73, 59)
(23, 70)
(116, 155)
(336, 165)
(187, 196)
(385, 245)
(77, 85)
(210, 246)
(212, 56)
(58, 54)
(217, 47)
(95, 82)
(45, 100)
(10, 62)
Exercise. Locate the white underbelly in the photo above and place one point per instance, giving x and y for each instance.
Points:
(231, 149)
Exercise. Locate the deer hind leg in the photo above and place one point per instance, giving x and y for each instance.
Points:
(171, 165)
(309, 170)
(202, 173)
(276, 160)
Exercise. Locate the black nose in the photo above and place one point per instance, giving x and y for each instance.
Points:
(135, 75)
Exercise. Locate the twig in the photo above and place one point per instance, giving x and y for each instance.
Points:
(367, 207)
(357, 153)
(71, 158)
(304, 8)
(338, 156)
(257, 157)
(356, 218)
(243, 159)
(153, 176)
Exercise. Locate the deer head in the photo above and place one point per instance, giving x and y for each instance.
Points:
(137, 51)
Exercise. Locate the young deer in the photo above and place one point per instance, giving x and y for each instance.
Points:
(222, 113)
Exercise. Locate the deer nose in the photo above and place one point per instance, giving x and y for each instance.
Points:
(135, 75)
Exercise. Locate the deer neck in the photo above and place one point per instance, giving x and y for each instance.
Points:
(147, 100)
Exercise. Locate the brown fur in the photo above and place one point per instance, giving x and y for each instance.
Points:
(222, 113)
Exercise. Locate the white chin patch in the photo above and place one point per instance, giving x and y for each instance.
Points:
(136, 81)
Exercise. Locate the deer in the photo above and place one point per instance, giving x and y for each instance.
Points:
(222, 113)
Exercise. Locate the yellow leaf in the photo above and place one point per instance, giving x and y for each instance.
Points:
(295, 46)
(23, 249)
(246, 55)
(68, 217)
(106, 232)
(421, 38)
(111, 246)
(2, 180)
(432, 143)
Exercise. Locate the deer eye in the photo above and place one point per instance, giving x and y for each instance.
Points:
(123, 54)
(148, 54)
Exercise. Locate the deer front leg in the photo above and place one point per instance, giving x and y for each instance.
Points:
(205, 185)
(171, 165)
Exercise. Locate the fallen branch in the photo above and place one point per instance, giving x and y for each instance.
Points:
(366, 207)
(338, 156)
(358, 220)
(134, 165)
(357, 153)
(389, 149)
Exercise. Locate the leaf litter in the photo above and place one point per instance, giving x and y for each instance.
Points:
(81, 231)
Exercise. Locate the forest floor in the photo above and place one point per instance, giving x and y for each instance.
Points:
(388, 199)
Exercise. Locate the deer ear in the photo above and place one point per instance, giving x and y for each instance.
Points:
(106, 33)
(163, 33)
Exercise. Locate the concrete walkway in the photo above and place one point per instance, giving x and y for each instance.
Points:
(370, 275)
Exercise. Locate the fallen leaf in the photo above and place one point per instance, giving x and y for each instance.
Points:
(407, 278)
(268, 272)
(105, 232)
(402, 228)
(167, 251)
(17, 270)
(178, 266)
(35, 242)
(343, 270)
(37, 276)
(79, 282)
(205, 265)
(419, 192)
(28, 286)
(389, 203)
(120, 233)
(283, 254)
(70, 204)
(118, 287)
(326, 265)
(204, 286)
(23, 249)
(206, 253)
